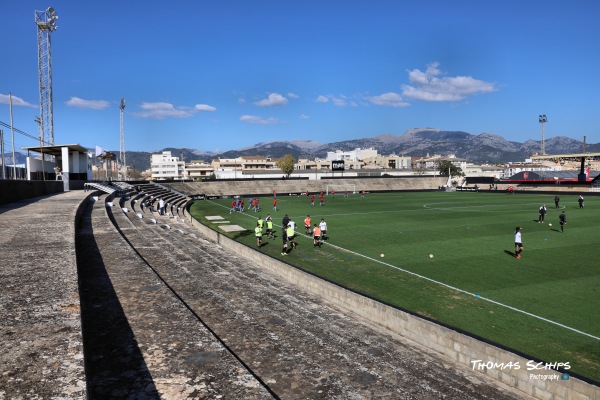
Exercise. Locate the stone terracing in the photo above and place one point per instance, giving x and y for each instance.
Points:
(166, 313)
(40, 331)
(297, 344)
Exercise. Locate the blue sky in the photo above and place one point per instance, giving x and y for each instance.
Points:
(221, 75)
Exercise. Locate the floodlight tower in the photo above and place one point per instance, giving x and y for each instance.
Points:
(46, 23)
(123, 162)
(543, 120)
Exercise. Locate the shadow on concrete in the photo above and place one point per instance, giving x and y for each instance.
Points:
(114, 365)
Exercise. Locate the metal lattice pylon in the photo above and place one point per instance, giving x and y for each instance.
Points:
(46, 23)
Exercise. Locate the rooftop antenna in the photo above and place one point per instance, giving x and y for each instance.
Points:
(46, 23)
(123, 162)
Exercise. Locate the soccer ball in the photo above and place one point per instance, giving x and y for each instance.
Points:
(549, 224)
(382, 255)
(431, 256)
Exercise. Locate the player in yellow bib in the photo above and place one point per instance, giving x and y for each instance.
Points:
(258, 234)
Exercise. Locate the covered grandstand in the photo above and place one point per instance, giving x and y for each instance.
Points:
(556, 177)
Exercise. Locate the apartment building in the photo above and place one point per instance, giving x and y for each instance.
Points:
(166, 167)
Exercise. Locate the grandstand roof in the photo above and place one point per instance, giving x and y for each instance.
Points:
(56, 150)
(549, 175)
(574, 156)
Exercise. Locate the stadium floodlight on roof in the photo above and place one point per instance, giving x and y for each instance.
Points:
(46, 23)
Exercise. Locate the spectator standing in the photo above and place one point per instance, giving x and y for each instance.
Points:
(161, 206)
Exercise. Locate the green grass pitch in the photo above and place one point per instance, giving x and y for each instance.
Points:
(544, 305)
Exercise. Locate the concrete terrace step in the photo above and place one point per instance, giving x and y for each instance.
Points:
(142, 341)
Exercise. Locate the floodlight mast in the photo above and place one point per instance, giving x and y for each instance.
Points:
(46, 23)
(123, 162)
(543, 119)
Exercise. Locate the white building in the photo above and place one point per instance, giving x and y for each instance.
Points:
(357, 154)
(198, 169)
(387, 162)
(166, 167)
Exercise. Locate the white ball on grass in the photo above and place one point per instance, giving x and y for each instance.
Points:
(431, 256)
(382, 255)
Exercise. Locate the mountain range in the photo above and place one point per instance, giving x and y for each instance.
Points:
(418, 142)
(481, 148)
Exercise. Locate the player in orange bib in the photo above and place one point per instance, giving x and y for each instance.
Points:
(316, 236)
(307, 225)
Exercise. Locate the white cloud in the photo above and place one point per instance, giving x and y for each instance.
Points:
(293, 95)
(162, 110)
(428, 86)
(253, 119)
(339, 101)
(274, 99)
(204, 107)
(389, 99)
(90, 104)
(304, 116)
(16, 101)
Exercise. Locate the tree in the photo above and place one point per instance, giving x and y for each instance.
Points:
(286, 164)
(445, 166)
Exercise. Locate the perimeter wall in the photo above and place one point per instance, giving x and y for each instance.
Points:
(15, 190)
(285, 186)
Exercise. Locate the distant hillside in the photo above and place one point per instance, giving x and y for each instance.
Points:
(19, 157)
(481, 148)
(485, 147)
